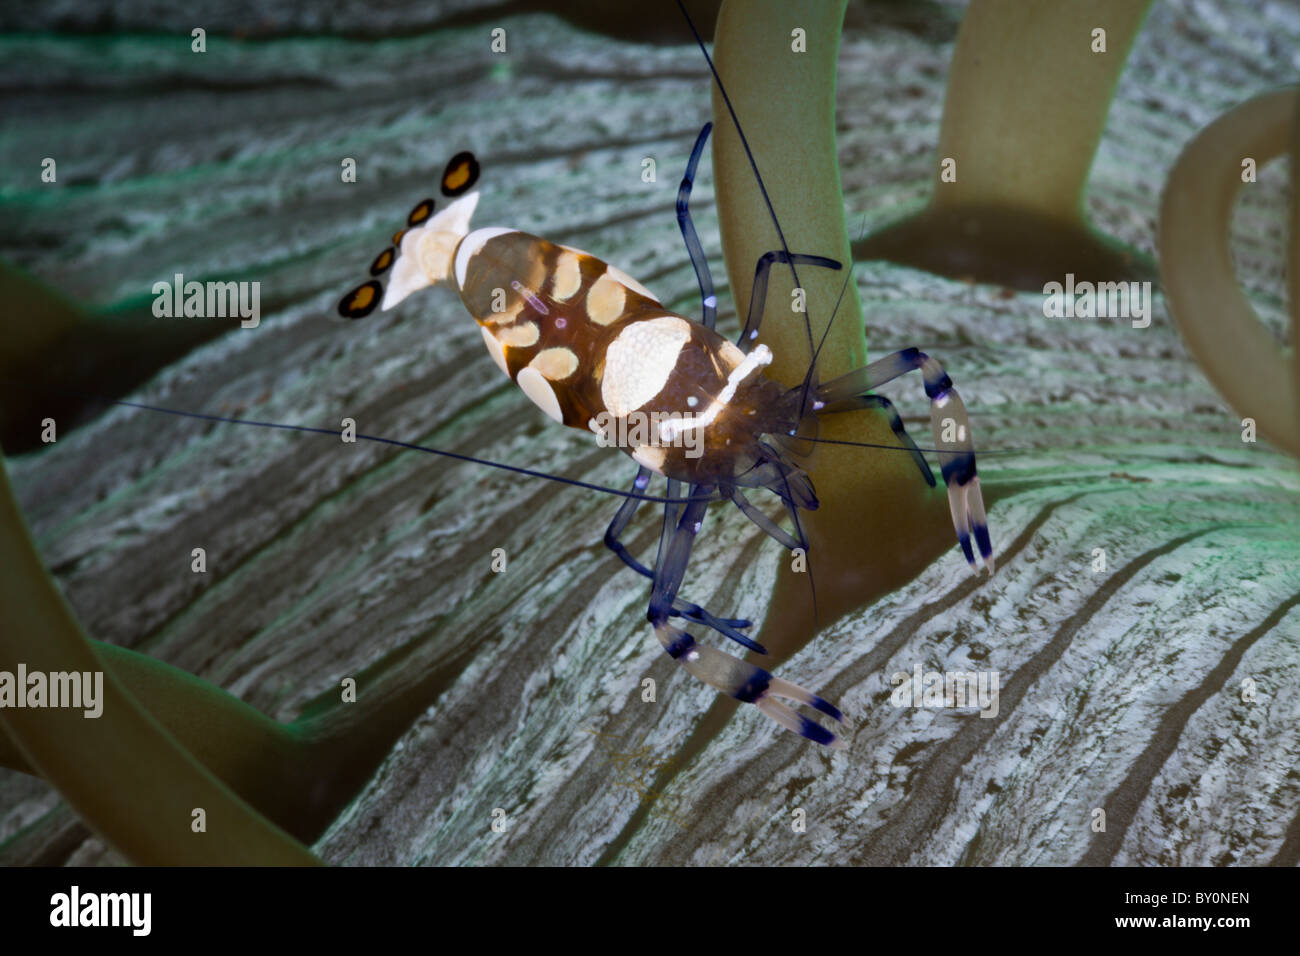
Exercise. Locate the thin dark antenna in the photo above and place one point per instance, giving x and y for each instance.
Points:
(812, 366)
(848, 275)
(798, 528)
(758, 177)
(867, 444)
(410, 446)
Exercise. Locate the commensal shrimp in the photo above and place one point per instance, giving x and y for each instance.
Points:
(595, 350)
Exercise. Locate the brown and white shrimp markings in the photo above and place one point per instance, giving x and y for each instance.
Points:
(597, 351)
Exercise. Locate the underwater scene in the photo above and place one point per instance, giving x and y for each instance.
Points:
(742, 433)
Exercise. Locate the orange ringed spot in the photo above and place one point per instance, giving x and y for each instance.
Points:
(461, 173)
(420, 213)
(361, 301)
(382, 262)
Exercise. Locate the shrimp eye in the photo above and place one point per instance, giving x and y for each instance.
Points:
(361, 301)
(460, 175)
(420, 213)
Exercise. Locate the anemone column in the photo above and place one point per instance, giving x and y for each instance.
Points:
(1027, 97)
(1237, 353)
(879, 524)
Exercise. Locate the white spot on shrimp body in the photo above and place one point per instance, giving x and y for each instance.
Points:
(537, 388)
(567, 278)
(470, 247)
(555, 364)
(494, 349)
(606, 300)
(622, 277)
(652, 456)
(639, 361)
(519, 336)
